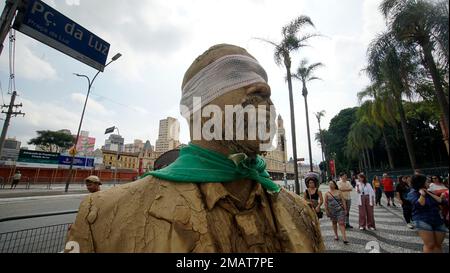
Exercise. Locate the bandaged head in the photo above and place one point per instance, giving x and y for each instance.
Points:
(221, 69)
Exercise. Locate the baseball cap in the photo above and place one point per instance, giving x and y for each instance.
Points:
(93, 178)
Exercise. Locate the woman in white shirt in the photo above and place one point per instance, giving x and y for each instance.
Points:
(366, 201)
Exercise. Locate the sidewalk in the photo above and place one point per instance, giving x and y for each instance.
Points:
(42, 190)
(391, 235)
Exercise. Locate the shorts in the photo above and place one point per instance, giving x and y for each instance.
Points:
(424, 226)
(389, 194)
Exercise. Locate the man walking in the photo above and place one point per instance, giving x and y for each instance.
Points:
(346, 188)
(388, 186)
(16, 179)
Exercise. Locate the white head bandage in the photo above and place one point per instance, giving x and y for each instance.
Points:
(226, 74)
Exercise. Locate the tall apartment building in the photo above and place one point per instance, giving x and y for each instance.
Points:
(114, 143)
(168, 136)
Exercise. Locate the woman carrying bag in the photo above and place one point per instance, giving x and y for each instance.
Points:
(336, 210)
(312, 194)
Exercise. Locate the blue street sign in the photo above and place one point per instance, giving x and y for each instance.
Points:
(87, 162)
(45, 24)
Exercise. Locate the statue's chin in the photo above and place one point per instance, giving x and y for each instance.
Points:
(250, 148)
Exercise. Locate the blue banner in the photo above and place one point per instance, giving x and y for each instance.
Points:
(47, 25)
(87, 162)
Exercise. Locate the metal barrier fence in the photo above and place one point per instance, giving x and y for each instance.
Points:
(47, 239)
(46, 182)
(442, 171)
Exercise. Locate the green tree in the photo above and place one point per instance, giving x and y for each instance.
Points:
(52, 141)
(336, 139)
(425, 24)
(379, 111)
(393, 65)
(319, 136)
(305, 74)
(292, 40)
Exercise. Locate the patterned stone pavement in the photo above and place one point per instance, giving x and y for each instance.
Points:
(391, 236)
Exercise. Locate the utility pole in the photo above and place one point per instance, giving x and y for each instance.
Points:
(9, 113)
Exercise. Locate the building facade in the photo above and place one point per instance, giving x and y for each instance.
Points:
(120, 160)
(114, 143)
(11, 149)
(168, 136)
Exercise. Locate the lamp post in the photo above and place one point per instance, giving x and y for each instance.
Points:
(90, 82)
(111, 130)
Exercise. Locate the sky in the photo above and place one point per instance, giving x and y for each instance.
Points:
(159, 39)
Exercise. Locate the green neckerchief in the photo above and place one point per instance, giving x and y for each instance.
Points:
(198, 165)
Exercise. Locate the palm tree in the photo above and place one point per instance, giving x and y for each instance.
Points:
(422, 23)
(379, 111)
(360, 140)
(305, 74)
(291, 41)
(391, 64)
(319, 116)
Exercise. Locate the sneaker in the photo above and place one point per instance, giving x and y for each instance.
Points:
(410, 226)
(372, 228)
(361, 228)
(346, 242)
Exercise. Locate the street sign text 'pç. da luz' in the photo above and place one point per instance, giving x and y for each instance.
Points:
(45, 24)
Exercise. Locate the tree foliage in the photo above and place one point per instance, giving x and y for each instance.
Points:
(52, 141)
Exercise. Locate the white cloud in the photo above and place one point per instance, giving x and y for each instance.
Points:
(92, 104)
(27, 64)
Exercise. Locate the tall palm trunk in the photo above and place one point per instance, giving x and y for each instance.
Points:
(373, 159)
(369, 163)
(287, 63)
(388, 149)
(307, 127)
(364, 160)
(406, 133)
(431, 65)
(444, 130)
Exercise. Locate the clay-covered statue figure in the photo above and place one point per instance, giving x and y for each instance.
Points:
(217, 195)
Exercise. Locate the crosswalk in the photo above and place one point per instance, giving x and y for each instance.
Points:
(391, 235)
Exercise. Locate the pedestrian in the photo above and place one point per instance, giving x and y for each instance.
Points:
(366, 201)
(312, 194)
(16, 179)
(445, 207)
(378, 190)
(437, 186)
(353, 181)
(402, 189)
(336, 210)
(388, 187)
(346, 188)
(93, 183)
(428, 222)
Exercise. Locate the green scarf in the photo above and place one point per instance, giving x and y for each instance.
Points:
(198, 165)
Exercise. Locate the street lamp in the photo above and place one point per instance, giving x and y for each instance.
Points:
(90, 82)
(111, 130)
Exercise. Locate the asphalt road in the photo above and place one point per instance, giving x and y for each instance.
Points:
(36, 205)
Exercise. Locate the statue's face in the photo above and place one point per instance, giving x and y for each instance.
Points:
(251, 98)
